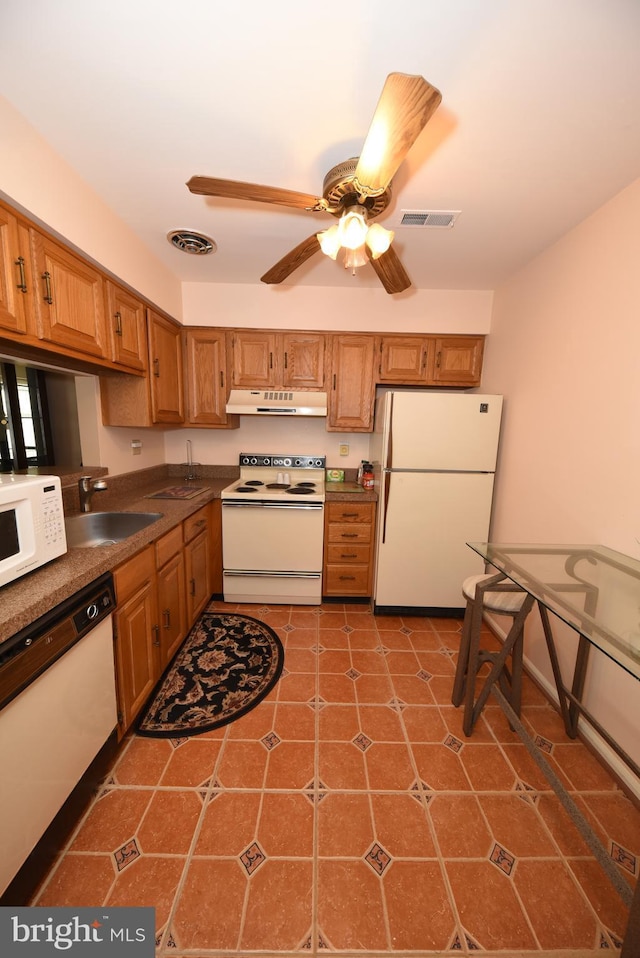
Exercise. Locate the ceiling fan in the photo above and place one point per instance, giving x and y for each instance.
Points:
(355, 191)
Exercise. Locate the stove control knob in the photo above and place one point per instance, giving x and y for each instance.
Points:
(253, 461)
(286, 462)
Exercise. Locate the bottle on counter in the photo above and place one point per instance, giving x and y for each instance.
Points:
(367, 475)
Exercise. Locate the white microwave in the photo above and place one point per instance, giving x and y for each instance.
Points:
(31, 524)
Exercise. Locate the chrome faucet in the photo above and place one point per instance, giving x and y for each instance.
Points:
(87, 486)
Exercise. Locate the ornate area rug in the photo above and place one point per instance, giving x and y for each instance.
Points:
(228, 663)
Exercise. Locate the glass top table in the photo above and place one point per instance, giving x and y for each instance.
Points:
(595, 590)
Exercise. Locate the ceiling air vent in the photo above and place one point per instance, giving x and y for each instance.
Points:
(443, 219)
(189, 241)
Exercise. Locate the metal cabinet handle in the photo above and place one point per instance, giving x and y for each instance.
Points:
(286, 361)
(349, 515)
(438, 358)
(349, 535)
(167, 618)
(221, 379)
(22, 285)
(270, 360)
(193, 586)
(48, 297)
(156, 633)
(347, 578)
(348, 555)
(156, 368)
(118, 319)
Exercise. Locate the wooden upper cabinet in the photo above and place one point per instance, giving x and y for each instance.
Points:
(352, 390)
(303, 360)
(205, 353)
(404, 359)
(16, 277)
(127, 328)
(165, 369)
(264, 360)
(69, 298)
(457, 360)
(254, 358)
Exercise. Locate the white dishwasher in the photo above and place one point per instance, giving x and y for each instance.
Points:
(57, 709)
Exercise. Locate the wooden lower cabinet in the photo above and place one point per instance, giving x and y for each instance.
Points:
(172, 595)
(348, 549)
(135, 634)
(161, 591)
(197, 562)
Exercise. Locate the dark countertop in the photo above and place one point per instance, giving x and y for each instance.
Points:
(25, 600)
(36, 593)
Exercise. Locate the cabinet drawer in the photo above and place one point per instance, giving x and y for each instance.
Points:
(349, 512)
(348, 553)
(346, 580)
(132, 574)
(349, 532)
(168, 546)
(195, 523)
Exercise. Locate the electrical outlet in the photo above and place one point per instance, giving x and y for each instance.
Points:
(136, 447)
(344, 448)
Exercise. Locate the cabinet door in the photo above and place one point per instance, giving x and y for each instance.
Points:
(255, 359)
(172, 608)
(15, 276)
(165, 353)
(127, 328)
(198, 575)
(136, 653)
(70, 299)
(352, 393)
(302, 360)
(206, 375)
(216, 547)
(458, 360)
(403, 359)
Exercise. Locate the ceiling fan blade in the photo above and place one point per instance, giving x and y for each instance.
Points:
(404, 108)
(391, 272)
(294, 258)
(233, 190)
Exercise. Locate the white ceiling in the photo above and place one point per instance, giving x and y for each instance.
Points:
(539, 122)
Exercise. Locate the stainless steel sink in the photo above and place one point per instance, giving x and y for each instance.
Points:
(105, 528)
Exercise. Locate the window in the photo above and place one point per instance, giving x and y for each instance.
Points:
(25, 431)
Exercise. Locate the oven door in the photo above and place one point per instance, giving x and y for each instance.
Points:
(272, 551)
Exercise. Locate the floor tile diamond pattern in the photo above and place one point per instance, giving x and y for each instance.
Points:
(356, 822)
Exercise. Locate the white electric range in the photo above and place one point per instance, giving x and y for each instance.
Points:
(273, 530)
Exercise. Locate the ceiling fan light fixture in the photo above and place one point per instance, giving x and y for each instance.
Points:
(378, 240)
(330, 241)
(353, 258)
(353, 229)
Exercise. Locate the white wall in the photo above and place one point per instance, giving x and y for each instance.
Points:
(36, 178)
(564, 351)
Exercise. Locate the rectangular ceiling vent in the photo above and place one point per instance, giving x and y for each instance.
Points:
(441, 219)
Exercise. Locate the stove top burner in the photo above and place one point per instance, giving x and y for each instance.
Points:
(254, 482)
(310, 484)
(300, 491)
(277, 485)
(247, 488)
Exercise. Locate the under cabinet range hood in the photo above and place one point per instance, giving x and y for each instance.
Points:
(273, 402)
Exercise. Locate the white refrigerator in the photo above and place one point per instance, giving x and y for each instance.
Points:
(434, 457)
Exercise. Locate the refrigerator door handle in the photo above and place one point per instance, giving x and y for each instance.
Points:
(389, 450)
(387, 489)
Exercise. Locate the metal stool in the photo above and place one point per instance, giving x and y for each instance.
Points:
(486, 593)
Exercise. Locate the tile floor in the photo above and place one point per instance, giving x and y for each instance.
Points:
(347, 814)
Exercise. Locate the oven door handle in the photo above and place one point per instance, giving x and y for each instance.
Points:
(273, 575)
(307, 506)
